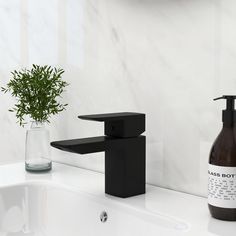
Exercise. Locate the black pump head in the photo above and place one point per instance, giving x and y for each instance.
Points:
(229, 114)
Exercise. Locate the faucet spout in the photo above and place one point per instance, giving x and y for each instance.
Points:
(83, 145)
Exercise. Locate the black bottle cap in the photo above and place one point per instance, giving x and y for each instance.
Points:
(229, 114)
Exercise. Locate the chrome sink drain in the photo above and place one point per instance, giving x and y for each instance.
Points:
(103, 217)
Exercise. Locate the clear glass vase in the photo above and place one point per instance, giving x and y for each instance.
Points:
(37, 148)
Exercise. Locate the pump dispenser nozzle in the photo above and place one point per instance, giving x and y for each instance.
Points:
(228, 115)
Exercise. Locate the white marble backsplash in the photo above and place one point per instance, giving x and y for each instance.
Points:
(165, 58)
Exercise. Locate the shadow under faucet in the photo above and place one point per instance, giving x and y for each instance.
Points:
(125, 151)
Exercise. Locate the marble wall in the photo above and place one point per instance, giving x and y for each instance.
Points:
(166, 58)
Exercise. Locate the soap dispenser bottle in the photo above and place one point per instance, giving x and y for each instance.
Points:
(222, 167)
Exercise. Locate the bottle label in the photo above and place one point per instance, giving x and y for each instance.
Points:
(222, 186)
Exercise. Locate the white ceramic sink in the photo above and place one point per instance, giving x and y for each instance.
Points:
(44, 209)
(69, 201)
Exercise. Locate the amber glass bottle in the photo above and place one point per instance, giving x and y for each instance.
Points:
(222, 167)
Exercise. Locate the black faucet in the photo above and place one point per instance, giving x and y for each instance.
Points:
(124, 148)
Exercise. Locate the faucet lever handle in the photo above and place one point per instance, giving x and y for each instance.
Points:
(122, 125)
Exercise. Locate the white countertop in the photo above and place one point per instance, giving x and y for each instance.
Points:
(188, 208)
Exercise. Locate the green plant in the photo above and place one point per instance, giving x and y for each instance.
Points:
(36, 91)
